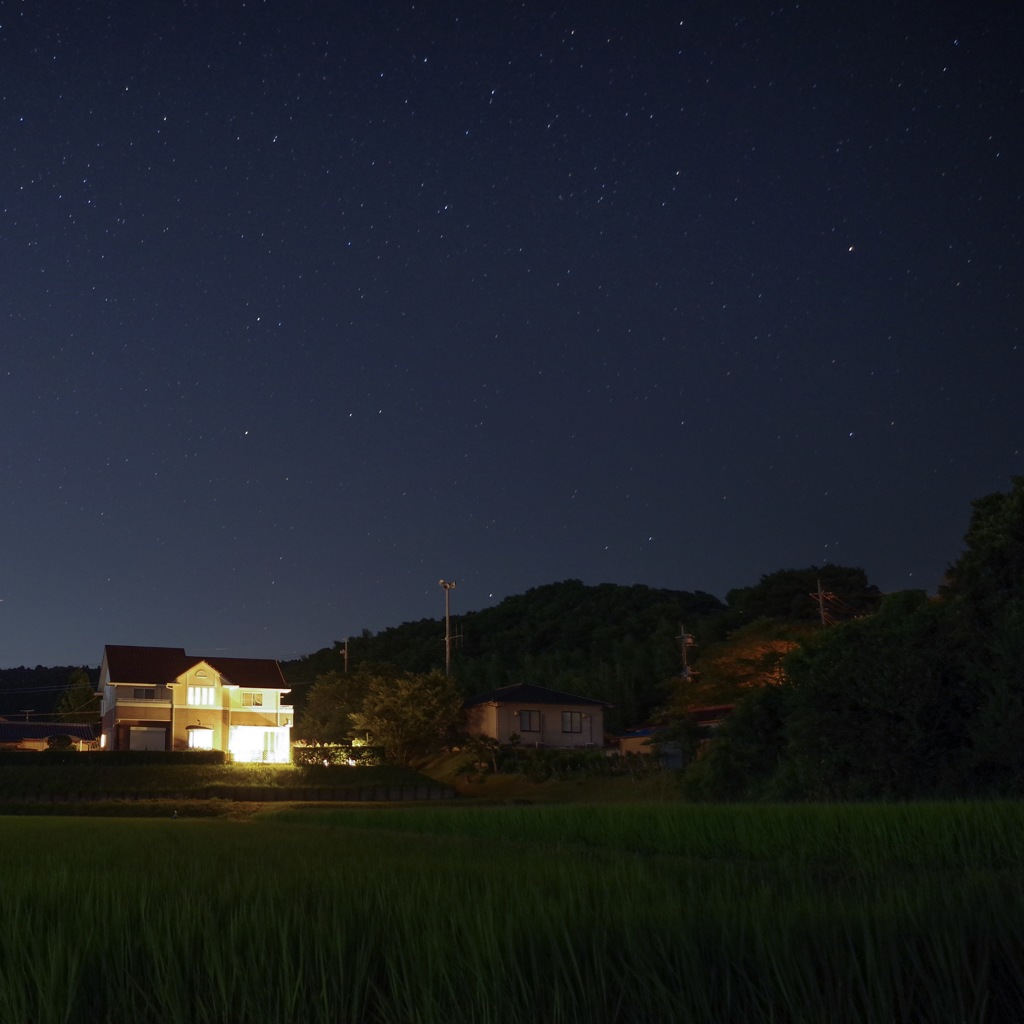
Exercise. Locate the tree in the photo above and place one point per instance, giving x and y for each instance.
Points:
(750, 657)
(410, 715)
(875, 708)
(879, 707)
(742, 761)
(79, 702)
(987, 580)
(332, 701)
(984, 592)
(923, 698)
(788, 594)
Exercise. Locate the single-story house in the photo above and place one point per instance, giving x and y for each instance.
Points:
(160, 698)
(36, 735)
(538, 716)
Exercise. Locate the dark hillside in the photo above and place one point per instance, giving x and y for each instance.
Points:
(610, 642)
(34, 693)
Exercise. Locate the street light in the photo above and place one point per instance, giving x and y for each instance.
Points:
(447, 587)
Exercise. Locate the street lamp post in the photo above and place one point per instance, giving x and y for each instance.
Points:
(447, 587)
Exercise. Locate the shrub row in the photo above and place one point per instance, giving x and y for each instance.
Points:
(539, 765)
(105, 758)
(249, 794)
(336, 754)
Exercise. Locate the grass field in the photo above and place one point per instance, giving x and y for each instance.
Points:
(91, 777)
(604, 915)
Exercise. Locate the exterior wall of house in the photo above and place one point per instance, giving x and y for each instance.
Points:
(198, 702)
(482, 720)
(119, 710)
(144, 711)
(251, 722)
(501, 720)
(42, 744)
(32, 745)
(635, 744)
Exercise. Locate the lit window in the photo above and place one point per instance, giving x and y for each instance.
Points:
(529, 721)
(255, 743)
(572, 721)
(201, 696)
(252, 700)
(200, 739)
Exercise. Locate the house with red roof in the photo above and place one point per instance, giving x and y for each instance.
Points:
(160, 698)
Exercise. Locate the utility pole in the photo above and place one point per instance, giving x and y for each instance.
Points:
(344, 652)
(832, 609)
(686, 641)
(447, 587)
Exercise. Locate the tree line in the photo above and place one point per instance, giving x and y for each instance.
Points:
(59, 693)
(923, 698)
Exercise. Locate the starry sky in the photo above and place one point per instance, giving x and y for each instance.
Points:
(306, 305)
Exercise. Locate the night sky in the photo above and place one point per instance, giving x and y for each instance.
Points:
(305, 306)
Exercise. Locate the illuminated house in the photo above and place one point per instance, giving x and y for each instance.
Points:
(160, 698)
(538, 716)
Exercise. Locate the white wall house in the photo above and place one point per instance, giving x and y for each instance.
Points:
(540, 717)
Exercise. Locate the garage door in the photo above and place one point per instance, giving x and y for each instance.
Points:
(143, 737)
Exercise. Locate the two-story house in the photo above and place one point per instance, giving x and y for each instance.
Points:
(160, 698)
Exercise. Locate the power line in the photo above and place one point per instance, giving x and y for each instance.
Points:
(833, 609)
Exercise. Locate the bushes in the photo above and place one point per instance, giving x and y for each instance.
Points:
(315, 754)
(109, 758)
(485, 757)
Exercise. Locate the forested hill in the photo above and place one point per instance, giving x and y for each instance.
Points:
(610, 642)
(32, 694)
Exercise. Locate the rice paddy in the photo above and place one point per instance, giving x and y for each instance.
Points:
(605, 915)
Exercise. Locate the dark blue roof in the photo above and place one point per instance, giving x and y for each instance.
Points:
(15, 732)
(527, 693)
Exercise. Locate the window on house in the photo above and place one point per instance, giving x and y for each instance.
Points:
(572, 721)
(144, 693)
(252, 700)
(200, 739)
(529, 721)
(201, 696)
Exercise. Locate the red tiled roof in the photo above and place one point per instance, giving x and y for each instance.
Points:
(711, 712)
(161, 665)
(152, 665)
(248, 671)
